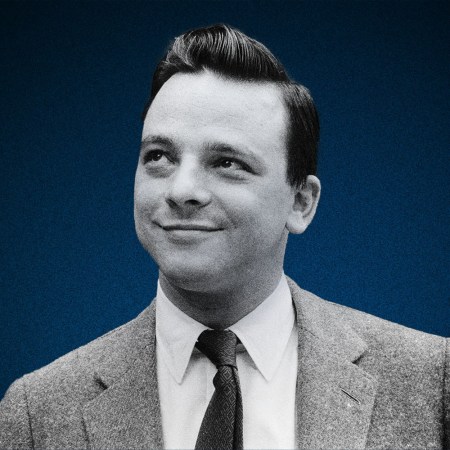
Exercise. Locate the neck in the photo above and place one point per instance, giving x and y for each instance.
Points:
(221, 307)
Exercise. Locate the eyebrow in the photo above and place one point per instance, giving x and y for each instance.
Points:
(256, 161)
(245, 153)
(159, 140)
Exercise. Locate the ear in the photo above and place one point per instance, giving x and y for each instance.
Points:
(304, 206)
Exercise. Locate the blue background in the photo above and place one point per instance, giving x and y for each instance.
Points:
(74, 79)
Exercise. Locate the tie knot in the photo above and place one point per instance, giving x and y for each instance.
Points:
(218, 346)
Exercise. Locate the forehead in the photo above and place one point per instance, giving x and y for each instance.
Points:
(208, 106)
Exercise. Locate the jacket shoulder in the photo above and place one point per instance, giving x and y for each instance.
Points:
(390, 336)
(75, 372)
(368, 326)
(388, 343)
(53, 396)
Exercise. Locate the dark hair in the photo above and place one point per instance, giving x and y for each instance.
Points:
(230, 53)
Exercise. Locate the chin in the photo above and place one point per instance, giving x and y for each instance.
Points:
(193, 277)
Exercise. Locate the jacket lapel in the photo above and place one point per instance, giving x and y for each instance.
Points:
(127, 413)
(334, 396)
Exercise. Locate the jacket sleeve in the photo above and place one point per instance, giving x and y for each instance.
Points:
(447, 396)
(15, 430)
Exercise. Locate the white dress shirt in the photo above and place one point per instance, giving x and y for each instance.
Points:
(267, 368)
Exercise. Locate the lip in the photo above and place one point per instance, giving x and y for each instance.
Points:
(189, 227)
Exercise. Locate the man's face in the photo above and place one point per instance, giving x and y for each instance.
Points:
(211, 196)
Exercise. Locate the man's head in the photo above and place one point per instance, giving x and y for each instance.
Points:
(229, 53)
(213, 203)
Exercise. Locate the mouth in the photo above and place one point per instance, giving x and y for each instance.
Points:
(189, 227)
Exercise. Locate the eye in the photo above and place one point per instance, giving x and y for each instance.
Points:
(154, 156)
(233, 164)
(226, 163)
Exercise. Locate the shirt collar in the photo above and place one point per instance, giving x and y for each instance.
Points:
(264, 332)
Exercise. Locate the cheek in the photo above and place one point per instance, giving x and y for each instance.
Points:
(259, 218)
(140, 209)
(270, 207)
(143, 213)
(145, 197)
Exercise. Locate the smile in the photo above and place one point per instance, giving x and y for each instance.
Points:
(188, 233)
(189, 227)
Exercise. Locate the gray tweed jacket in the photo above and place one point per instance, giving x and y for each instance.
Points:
(362, 383)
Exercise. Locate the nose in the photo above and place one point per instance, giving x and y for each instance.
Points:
(187, 187)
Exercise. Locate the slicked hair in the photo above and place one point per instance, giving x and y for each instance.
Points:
(228, 52)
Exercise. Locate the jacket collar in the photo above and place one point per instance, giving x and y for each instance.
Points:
(127, 413)
(334, 396)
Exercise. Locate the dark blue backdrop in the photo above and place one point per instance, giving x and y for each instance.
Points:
(74, 79)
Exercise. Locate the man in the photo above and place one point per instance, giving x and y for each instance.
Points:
(226, 171)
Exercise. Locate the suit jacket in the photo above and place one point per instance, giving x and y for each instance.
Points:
(362, 382)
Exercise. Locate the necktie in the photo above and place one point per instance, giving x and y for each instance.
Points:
(221, 427)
